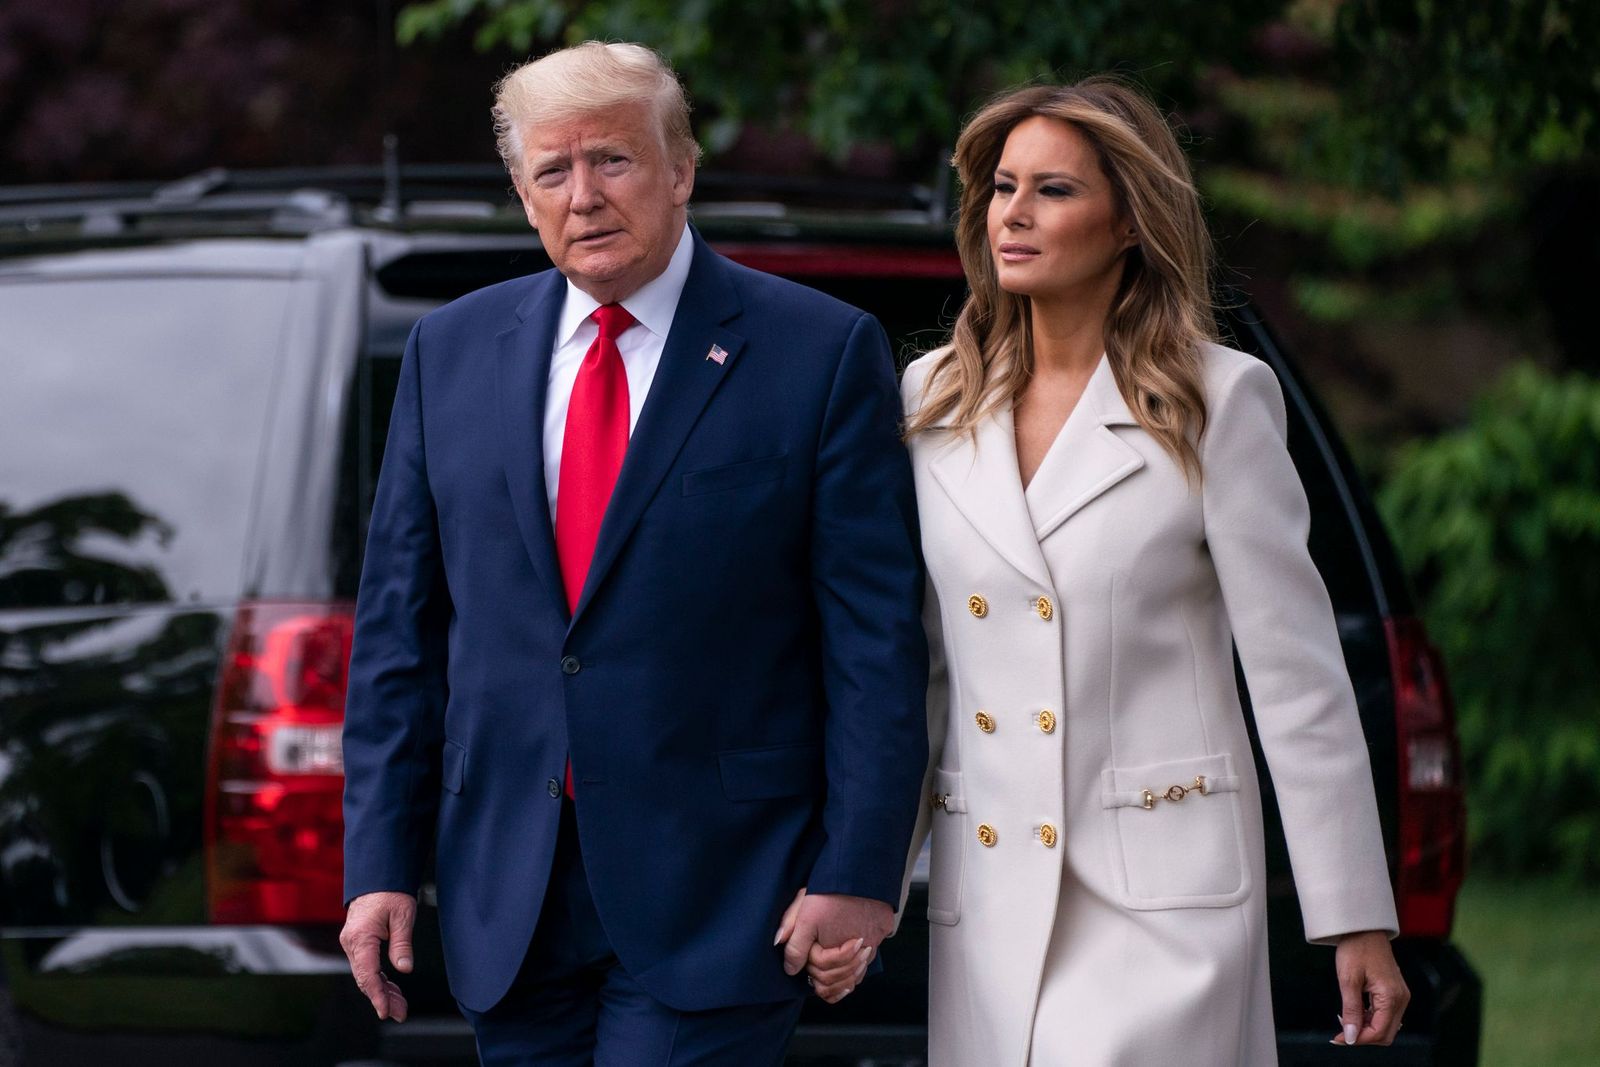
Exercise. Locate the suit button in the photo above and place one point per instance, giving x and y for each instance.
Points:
(1047, 834)
(553, 787)
(1047, 721)
(986, 835)
(977, 605)
(570, 665)
(1045, 609)
(985, 722)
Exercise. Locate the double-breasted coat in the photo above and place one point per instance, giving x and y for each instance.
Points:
(1097, 889)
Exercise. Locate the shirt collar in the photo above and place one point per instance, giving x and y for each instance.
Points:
(653, 304)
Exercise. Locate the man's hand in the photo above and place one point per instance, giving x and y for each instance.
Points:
(837, 936)
(373, 918)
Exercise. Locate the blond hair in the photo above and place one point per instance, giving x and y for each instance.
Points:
(582, 80)
(1161, 313)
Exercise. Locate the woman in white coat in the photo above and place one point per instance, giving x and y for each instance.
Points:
(1108, 508)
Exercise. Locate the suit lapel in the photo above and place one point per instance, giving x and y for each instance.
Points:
(523, 377)
(980, 476)
(684, 382)
(1087, 458)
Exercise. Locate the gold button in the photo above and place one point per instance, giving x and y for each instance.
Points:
(1047, 834)
(1044, 608)
(985, 722)
(1047, 721)
(977, 605)
(986, 835)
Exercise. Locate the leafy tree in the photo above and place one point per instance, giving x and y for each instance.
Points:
(1501, 521)
(1415, 77)
(902, 71)
(90, 90)
(1514, 76)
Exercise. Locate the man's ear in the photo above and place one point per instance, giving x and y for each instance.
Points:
(682, 179)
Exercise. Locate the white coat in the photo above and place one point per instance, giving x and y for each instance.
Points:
(1087, 625)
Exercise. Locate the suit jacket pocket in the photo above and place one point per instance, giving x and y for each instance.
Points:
(734, 475)
(949, 842)
(454, 771)
(771, 772)
(1176, 843)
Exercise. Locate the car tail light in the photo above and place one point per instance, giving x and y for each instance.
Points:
(1432, 811)
(274, 824)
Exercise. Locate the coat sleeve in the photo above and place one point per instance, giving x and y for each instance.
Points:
(867, 583)
(938, 704)
(1256, 527)
(395, 707)
(938, 694)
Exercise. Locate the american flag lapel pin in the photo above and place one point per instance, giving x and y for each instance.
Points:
(717, 355)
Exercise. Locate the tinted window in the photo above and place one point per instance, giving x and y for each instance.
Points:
(131, 417)
(917, 314)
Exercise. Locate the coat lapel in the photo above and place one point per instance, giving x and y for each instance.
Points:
(980, 476)
(685, 379)
(1087, 458)
(523, 377)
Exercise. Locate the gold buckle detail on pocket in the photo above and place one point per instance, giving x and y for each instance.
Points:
(1175, 793)
(939, 799)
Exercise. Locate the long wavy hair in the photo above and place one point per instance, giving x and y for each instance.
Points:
(1161, 313)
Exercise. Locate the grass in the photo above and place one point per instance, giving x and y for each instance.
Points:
(1537, 947)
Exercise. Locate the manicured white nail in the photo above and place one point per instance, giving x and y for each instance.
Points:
(1350, 1033)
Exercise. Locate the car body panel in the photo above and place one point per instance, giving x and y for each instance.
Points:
(98, 701)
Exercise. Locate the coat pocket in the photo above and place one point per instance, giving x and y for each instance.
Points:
(453, 771)
(734, 475)
(1177, 840)
(948, 848)
(771, 772)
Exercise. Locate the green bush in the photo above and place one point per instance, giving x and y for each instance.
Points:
(1500, 525)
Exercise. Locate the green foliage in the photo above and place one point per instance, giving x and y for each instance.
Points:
(1361, 230)
(1426, 73)
(1501, 523)
(900, 71)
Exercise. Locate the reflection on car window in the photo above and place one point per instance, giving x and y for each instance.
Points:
(131, 419)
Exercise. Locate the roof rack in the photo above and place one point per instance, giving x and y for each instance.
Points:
(297, 200)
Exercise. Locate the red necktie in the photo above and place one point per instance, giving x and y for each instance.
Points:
(592, 448)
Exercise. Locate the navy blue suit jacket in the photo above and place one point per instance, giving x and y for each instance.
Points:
(740, 689)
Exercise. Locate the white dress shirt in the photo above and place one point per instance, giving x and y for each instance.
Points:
(653, 305)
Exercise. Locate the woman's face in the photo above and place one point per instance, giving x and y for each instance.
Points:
(1054, 229)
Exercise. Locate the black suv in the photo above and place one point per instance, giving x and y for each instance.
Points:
(195, 382)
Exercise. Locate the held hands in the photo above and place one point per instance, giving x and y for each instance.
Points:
(853, 926)
(1365, 964)
(375, 917)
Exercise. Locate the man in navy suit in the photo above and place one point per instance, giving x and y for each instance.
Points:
(639, 625)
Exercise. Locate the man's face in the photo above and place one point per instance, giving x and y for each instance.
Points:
(606, 198)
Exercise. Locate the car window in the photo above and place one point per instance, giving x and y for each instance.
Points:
(917, 313)
(132, 411)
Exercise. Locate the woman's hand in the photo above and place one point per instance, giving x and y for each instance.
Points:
(1375, 996)
(833, 973)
